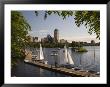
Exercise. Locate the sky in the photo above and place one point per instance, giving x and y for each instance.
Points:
(67, 28)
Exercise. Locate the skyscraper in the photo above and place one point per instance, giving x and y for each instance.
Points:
(49, 38)
(56, 35)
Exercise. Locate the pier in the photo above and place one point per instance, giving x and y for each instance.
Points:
(70, 72)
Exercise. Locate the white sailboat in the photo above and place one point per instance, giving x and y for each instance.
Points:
(41, 53)
(41, 56)
(67, 59)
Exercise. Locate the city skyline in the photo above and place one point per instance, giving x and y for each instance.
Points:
(67, 28)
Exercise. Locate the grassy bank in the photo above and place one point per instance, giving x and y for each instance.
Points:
(81, 49)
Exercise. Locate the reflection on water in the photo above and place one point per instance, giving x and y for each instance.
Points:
(88, 61)
(27, 70)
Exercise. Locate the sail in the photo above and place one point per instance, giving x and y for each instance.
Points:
(70, 61)
(62, 57)
(65, 57)
(41, 53)
(65, 54)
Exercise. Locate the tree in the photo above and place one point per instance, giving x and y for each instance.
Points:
(90, 19)
(19, 31)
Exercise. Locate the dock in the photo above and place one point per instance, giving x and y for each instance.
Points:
(70, 72)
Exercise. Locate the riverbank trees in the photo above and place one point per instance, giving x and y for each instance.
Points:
(19, 31)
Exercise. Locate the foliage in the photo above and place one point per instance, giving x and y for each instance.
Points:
(90, 19)
(81, 49)
(76, 44)
(63, 14)
(19, 31)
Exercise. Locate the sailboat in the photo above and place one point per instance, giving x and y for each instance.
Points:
(68, 56)
(67, 59)
(41, 57)
(65, 55)
(39, 54)
(70, 61)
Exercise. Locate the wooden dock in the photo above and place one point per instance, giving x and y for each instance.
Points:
(63, 70)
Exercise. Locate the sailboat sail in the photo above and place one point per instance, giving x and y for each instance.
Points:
(67, 58)
(70, 61)
(65, 55)
(62, 59)
(41, 53)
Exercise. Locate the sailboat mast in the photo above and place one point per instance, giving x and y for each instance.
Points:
(94, 54)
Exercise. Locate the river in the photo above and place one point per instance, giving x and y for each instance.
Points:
(87, 60)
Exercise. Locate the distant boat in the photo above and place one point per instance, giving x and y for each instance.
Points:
(58, 48)
(54, 53)
(98, 73)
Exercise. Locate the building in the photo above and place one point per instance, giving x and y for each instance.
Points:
(44, 40)
(35, 39)
(32, 39)
(63, 41)
(49, 38)
(56, 35)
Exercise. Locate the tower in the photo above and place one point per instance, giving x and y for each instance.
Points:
(56, 35)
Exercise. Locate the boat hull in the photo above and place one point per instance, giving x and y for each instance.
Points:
(26, 60)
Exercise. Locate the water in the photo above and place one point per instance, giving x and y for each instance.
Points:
(85, 61)
(88, 60)
(27, 70)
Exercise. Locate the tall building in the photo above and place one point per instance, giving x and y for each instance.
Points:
(32, 39)
(56, 35)
(49, 38)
